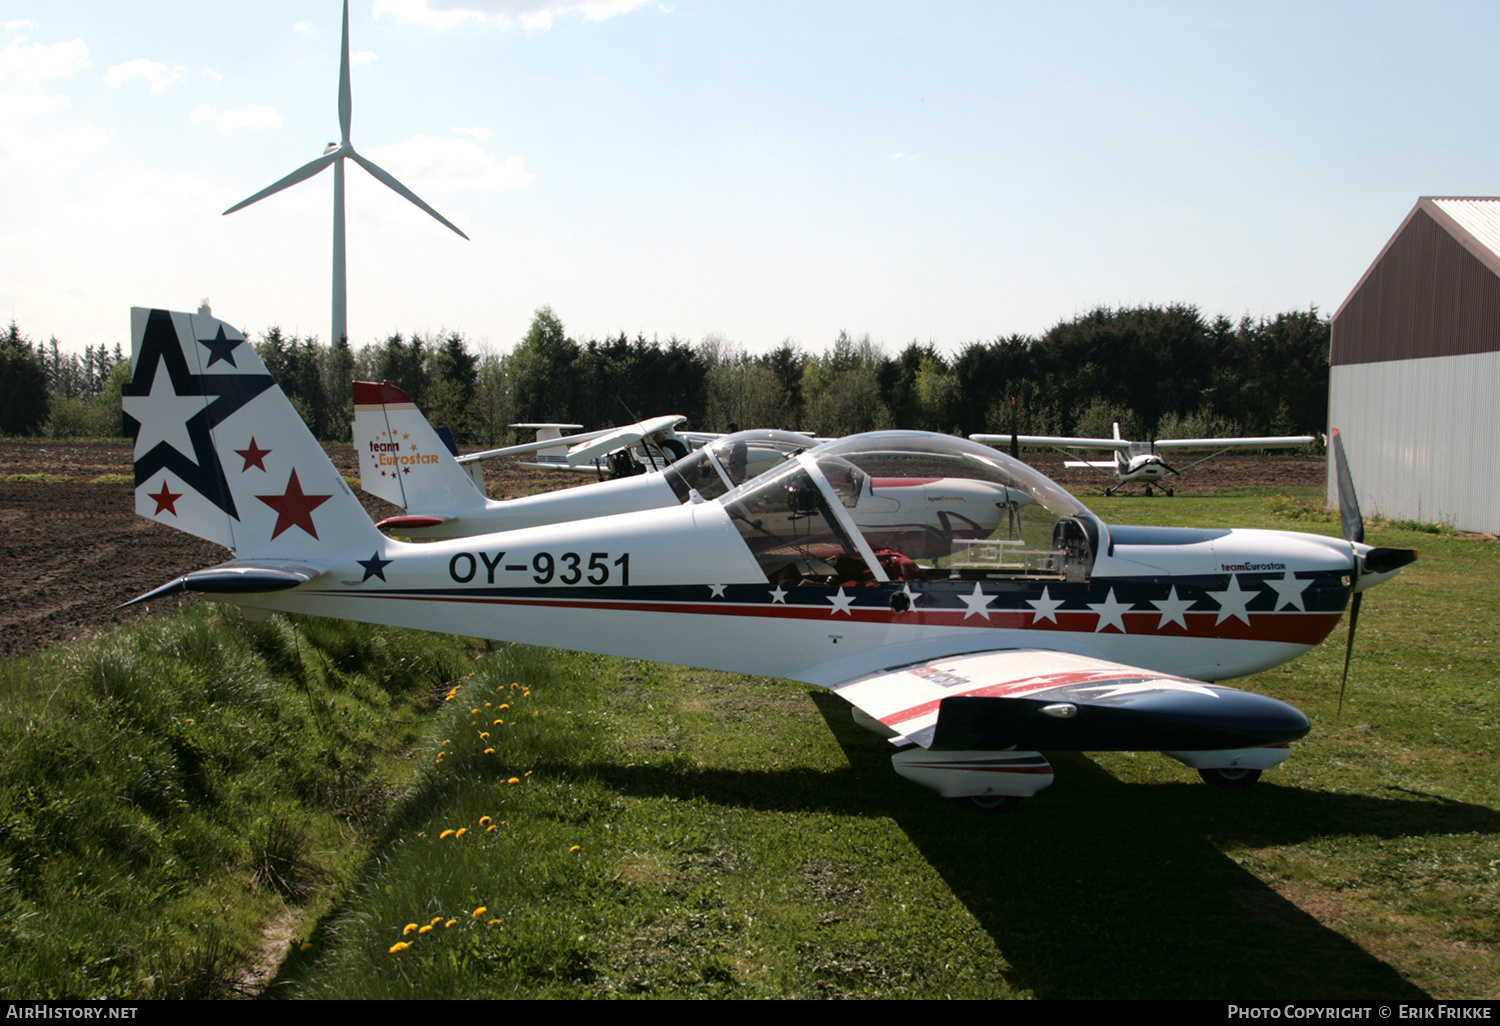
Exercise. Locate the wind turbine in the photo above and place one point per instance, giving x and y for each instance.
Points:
(335, 154)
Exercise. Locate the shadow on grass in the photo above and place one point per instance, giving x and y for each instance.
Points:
(1103, 889)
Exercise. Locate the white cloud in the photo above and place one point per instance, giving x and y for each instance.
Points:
(253, 116)
(478, 133)
(303, 28)
(363, 57)
(30, 64)
(20, 25)
(525, 14)
(215, 75)
(426, 163)
(159, 75)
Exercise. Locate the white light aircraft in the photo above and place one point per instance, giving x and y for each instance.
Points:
(1139, 462)
(1058, 633)
(404, 461)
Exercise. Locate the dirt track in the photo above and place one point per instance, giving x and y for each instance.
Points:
(73, 548)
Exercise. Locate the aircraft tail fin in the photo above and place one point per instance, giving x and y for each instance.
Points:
(221, 453)
(402, 459)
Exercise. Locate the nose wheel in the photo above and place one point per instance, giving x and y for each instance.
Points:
(989, 802)
(1229, 777)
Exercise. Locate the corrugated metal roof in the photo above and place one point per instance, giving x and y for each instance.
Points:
(1478, 216)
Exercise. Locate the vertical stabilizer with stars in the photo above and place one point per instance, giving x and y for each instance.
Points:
(402, 459)
(221, 453)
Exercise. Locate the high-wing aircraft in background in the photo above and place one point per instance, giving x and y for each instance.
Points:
(404, 461)
(1140, 462)
(1055, 632)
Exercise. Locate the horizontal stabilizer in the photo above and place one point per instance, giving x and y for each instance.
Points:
(234, 578)
(410, 521)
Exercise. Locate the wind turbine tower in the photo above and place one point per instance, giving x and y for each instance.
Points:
(335, 154)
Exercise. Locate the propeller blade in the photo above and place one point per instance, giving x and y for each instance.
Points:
(346, 96)
(1354, 524)
(389, 182)
(303, 173)
(1348, 651)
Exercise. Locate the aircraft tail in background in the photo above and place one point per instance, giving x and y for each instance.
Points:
(404, 461)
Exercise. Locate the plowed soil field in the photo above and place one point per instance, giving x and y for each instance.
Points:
(72, 548)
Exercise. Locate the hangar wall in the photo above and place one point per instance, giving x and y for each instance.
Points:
(1414, 375)
(1422, 437)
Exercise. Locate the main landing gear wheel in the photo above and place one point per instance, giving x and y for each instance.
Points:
(1229, 777)
(989, 802)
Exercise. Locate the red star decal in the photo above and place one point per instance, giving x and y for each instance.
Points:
(254, 457)
(293, 508)
(165, 499)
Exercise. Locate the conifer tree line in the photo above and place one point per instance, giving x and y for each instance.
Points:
(1160, 371)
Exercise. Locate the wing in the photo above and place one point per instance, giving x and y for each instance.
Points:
(1058, 441)
(1268, 442)
(1053, 701)
(620, 437)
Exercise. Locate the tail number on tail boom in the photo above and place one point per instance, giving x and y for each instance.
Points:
(464, 567)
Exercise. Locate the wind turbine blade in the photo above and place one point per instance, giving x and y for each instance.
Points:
(346, 95)
(389, 182)
(303, 173)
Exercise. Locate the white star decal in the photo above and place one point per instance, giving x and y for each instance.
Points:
(716, 590)
(1111, 613)
(841, 603)
(1232, 601)
(779, 595)
(910, 595)
(1046, 607)
(1114, 690)
(977, 604)
(1288, 591)
(1172, 608)
(163, 415)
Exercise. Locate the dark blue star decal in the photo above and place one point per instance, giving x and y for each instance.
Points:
(374, 566)
(202, 471)
(222, 348)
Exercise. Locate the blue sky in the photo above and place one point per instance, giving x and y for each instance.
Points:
(763, 171)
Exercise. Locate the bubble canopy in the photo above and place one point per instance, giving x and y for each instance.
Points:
(732, 460)
(910, 505)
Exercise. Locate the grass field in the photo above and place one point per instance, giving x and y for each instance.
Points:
(637, 829)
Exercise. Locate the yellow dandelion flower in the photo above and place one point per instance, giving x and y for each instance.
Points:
(306, 946)
(504, 705)
(448, 742)
(481, 910)
(530, 772)
(436, 920)
(460, 831)
(399, 946)
(485, 821)
(490, 829)
(514, 780)
(489, 751)
(410, 928)
(445, 835)
(473, 712)
(493, 922)
(576, 847)
(498, 723)
(449, 923)
(484, 734)
(425, 929)
(187, 721)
